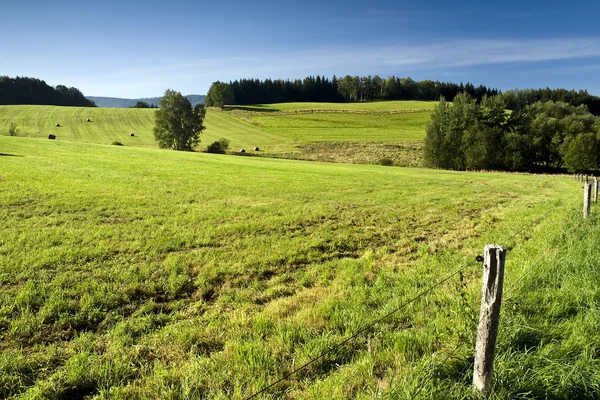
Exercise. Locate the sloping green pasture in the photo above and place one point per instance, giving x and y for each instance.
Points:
(375, 106)
(345, 127)
(134, 273)
(108, 124)
(298, 130)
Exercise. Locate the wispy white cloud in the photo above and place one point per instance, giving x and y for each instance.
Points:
(195, 74)
(374, 11)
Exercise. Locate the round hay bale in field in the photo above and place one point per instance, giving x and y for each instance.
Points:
(256, 149)
(132, 134)
(88, 120)
(51, 137)
(242, 150)
(57, 125)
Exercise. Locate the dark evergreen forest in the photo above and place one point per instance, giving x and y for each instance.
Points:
(354, 88)
(23, 90)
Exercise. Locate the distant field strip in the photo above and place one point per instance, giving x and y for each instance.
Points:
(377, 106)
(108, 124)
(281, 130)
(346, 127)
(242, 134)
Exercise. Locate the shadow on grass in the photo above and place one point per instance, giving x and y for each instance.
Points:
(10, 155)
(256, 108)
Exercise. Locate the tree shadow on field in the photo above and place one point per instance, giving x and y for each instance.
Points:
(257, 108)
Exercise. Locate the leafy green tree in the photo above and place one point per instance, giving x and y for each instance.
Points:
(141, 104)
(218, 147)
(436, 153)
(517, 150)
(550, 125)
(219, 95)
(177, 125)
(444, 146)
(12, 129)
(484, 147)
(582, 153)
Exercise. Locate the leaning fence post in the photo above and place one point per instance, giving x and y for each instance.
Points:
(489, 316)
(595, 189)
(587, 194)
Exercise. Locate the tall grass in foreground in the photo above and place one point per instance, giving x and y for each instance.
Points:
(140, 274)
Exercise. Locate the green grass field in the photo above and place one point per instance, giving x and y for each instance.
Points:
(346, 127)
(109, 124)
(376, 106)
(136, 273)
(298, 130)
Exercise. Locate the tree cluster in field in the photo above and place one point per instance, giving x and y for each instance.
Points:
(519, 99)
(218, 147)
(23, 90)
(177, 124)
(143, 104)
(552, 135)
(346, 89)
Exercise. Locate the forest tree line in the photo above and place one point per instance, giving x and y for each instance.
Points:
(354, 88)
(24, 90)
(346, 89)
(543, 136)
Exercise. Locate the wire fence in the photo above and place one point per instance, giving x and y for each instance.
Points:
(535, 266)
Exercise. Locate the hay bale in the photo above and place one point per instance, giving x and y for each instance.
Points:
(57, 125)
(132, 134)
(88, 120)
(242, 150)
(256, 149)
(51, 137)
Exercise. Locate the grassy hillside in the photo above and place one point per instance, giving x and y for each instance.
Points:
(356, 132)
(376, 106)
(117, 102)
(137, 273)
(116, 124)
(108, 125)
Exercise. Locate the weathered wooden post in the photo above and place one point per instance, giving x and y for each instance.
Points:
(595, 189)
(587, 194)
(489, 316)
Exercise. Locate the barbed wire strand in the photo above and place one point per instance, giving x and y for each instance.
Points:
(397, 309)
(535, 221)
(361, 330)
(535, 267)
(514, 286)
(418, 392)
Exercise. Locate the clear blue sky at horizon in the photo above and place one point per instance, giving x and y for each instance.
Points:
(138, 49)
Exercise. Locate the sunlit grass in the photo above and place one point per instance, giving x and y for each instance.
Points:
(141, 273)
(363, 106)
(275, 134)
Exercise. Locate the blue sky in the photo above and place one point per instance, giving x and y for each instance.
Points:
(139, 49)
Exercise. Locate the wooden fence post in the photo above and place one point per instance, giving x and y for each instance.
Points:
(587, 194)
(489, 316)
(595, 189)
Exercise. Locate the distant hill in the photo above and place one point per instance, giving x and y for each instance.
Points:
(116, 102)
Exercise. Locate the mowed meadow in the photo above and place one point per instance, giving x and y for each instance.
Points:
(369, 133)
(137, 273)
